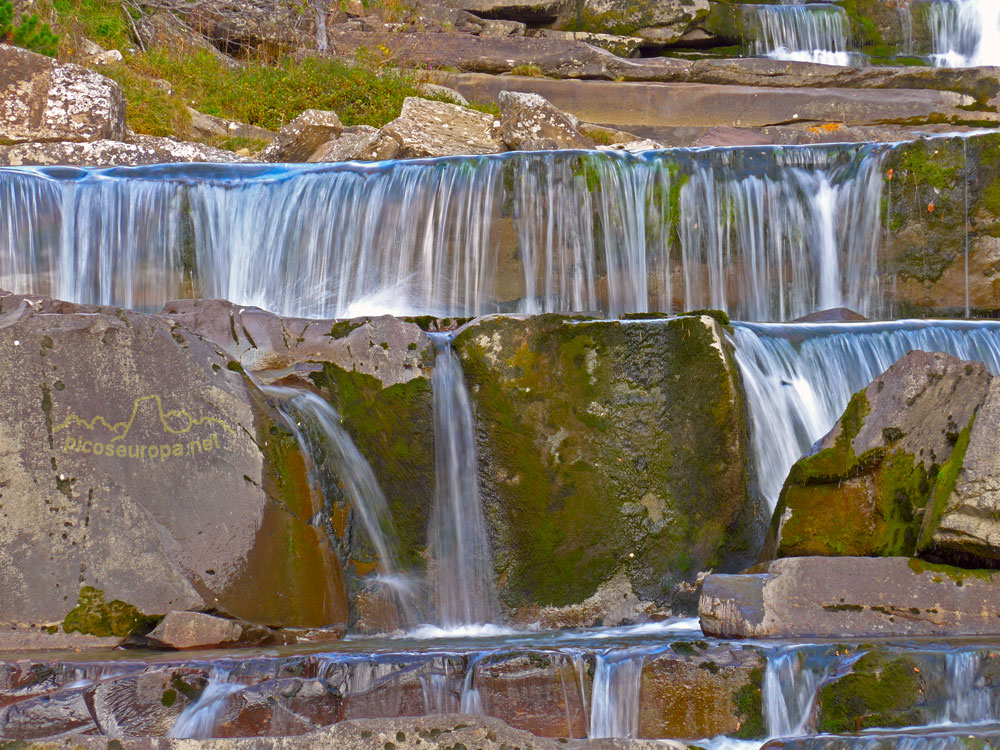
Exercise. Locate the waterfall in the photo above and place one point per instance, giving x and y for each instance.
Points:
(791, 684)
(806, 33)
(465, 588)
(748, 230)
(799, 377)
(965, 33)
(199, 718)
(614, 710)
(332, 451)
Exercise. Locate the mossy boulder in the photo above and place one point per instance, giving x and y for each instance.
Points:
(882, 690)
(941, 209)
(140, 474)
(609, 447)
(865, 488)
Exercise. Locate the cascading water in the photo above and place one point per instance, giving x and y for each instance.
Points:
(799, 377)
(807, 33)
(614, 710)
(465, 586)
(333, 453)
(965, 33)
(199, 718)
(746, 230)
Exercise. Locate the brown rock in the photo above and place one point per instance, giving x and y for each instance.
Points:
(299, 140)
(279, 708)
(144, 704)
(164, 30)
(195, 630)
(43, 100)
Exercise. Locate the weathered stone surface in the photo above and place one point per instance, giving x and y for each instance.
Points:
(964, 528)
(437, 732)
(364, 143)
(631, 105)
(865, 488)
(387, 348)
(846, 597)
(143, 149)
(164, 30)
(140, 442)
(608, 447)
(47, 716)
(664, 21)
(428, 128)
(43, 100)
(945, 739)
(143, 704)
(276, 708)
(207, 126)
(300, 138)
(530, 123)
(249, 28)
(700, 690)
(438, 91)
(182, 630)
(616, 44)
(526, 11)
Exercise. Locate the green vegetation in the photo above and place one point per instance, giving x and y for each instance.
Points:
(93, 616)
(882, 691)
(749, 701)
(30, 32)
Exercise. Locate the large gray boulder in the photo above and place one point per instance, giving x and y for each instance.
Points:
(531, 123)
(43, 100)
(662, 22)
(525, 11)
(850, 597)
(361, 143)
(140, 472)
(300, 138)
(429, 128)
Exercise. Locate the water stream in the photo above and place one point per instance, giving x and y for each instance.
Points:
(764, 233)
(964, 33)
(464, 579)
(817, 32)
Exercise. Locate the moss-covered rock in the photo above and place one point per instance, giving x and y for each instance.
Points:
(607, 447)
(942, 216)
(865, 489)
(94, 616)
(882, 690)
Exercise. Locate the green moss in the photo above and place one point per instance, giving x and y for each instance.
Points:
(93, 616)
(168, 698)
(719, 316)
(839, 461)
(943, 487)
(342, 328)
(393, 428)
(881, 691)
(594, 434)
(749, 701)
(956, 575)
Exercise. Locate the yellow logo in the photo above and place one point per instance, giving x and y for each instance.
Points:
(175, 422)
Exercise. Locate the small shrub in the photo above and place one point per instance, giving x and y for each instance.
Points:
(30, 33)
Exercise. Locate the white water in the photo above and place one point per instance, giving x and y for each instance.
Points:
(198, 719)
(799, 378)
(614, 708)
(462, 562)
(965, 33)
(805, 33)
(746, 230)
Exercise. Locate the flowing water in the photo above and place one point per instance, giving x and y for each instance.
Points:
(464, 585)
(336, 460)
(817, 32)
(764, 233)
(965, 33)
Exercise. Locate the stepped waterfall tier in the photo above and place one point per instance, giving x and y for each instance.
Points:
(809, 33)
